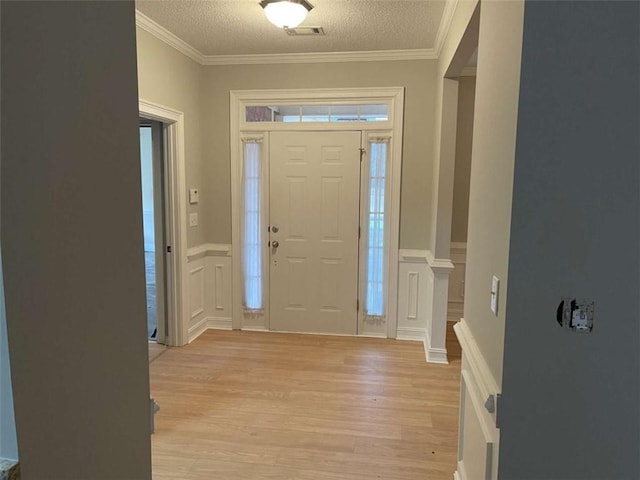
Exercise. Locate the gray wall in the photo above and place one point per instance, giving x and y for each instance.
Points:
(462, 175)
(570, 402)
(72, 240)
(173, 80)
(494, 141)
(169, 78)
(417, 76)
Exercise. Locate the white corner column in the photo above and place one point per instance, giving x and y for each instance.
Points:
(437, 300)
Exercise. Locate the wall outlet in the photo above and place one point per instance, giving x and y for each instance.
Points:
(577, 315)
(495, 290)
(193, 219)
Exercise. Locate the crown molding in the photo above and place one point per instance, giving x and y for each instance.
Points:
(445, 24)
(167, 37)
(321, 57)
(183, 47)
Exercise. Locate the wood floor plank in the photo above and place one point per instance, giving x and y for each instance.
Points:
(249, 405)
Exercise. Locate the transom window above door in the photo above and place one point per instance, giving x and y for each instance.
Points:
(317, 113)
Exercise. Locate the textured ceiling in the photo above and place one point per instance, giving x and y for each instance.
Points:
(235, 27)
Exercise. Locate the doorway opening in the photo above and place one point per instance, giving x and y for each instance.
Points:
(153, 220)
(461, 186)
(169, 243)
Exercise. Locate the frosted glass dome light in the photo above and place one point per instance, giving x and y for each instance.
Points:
(286, 13)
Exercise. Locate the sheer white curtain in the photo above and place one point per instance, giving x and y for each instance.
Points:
(252, 225)
(376, 231)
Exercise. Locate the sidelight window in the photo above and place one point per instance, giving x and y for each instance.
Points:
(252, 225)
(376, 228)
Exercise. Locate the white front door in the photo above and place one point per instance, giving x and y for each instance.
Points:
(314, 218)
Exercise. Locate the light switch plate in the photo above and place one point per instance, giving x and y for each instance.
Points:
(194, 196)
(193, 219)
(495, 290)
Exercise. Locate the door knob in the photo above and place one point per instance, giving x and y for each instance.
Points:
(274, 229)
(275, 244)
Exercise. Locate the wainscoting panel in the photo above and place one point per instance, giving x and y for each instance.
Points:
(210, 283)
(219, 299)
(478, 436)
(412, 295)
(197, 320)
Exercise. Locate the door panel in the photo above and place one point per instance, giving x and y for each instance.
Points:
(314, 205)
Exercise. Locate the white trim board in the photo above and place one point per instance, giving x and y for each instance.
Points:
(411, 334)
(178, 290)
(197, 329)
(434, 354)
(322, 57)
(413, 256)
(208, 250)
(445, 25)
(164, 35)
(161, 33)
(487, 383)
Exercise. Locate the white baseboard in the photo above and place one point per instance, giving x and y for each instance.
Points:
(433, 354)
(208, 323)
(366, 335)
(197, 329)
(219, 323)
(258, 329)
(408, 333)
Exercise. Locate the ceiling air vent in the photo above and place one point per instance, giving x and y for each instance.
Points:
(304, 31)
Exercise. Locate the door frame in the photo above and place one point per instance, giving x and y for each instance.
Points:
(176, 214)
(239, 128)
(160, 192)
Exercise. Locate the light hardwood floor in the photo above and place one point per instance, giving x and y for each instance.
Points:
(247, 405)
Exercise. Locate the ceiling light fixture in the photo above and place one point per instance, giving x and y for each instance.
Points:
(286, 13)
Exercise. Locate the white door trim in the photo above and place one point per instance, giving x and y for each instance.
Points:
(393, 96)
(177, 289)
